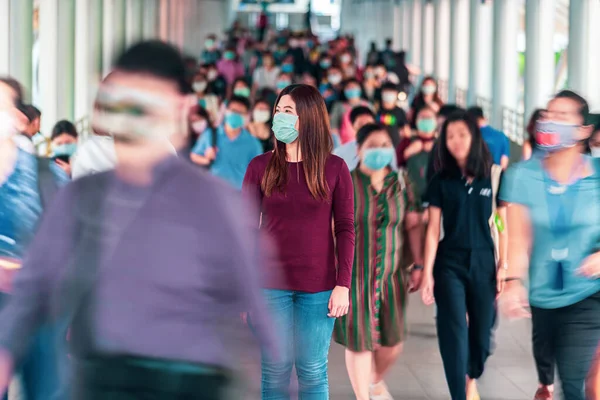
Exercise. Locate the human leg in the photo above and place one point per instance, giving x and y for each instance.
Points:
(543, 341)
(359, 366)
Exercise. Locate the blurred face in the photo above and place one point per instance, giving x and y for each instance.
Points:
(369, 73)
(458, 140)
(361, 121)
(241, 89)
(595, 140)
(389, 97)
(563, 110)
(378, 139)
(261, 113)
(429, 87)
(268, 61)
(426, 122)
(63, 138)
(334, 76)
(238, 108)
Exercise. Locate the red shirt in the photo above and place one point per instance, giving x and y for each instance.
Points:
(301, 227)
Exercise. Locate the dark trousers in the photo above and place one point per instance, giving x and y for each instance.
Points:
(569, 337)
(543, 351)
(124, 378)
(465, 283)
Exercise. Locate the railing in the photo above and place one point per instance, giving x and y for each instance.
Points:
(486, 106)
(443, 90)
(513, 124)
(83, 127)
(461, 97)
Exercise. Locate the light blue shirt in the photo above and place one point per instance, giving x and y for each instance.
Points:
(525, 183)
(233, 156)
(349, 153)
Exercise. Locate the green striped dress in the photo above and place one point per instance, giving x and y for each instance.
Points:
(378, 291)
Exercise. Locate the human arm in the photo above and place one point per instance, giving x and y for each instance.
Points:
(414, 231)
(432, 238)
(343, 217)
(251, 189)
(203, 152)
(526, 151)
(505, 159)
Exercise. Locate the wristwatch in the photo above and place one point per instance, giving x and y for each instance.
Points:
(417, 267)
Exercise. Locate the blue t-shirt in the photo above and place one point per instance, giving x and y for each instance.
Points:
(21, 205)
(556, 284)
(497, 143)
(233, 156)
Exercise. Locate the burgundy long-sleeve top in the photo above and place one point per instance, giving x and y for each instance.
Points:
(301, 227)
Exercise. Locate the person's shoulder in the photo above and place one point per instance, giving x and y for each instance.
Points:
(335, 163)
(259, 163)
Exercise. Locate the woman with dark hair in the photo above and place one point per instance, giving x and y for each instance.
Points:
(200, 122)
(301, 188)
(229, 66)
(374, 329)
(64, 144)
(260, 126)
(554, 226)
(428, 96)
(529, 145)
(351, 96)
(464, 272)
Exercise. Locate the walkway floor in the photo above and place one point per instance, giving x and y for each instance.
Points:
(419, 375)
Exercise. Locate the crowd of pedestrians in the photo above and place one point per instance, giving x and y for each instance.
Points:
(283, 184)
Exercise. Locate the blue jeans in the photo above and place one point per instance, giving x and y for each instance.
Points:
(305, 331)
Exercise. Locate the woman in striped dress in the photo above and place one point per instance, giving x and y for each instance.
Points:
(385, 214)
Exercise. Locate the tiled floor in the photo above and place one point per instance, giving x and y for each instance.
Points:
(419, 375)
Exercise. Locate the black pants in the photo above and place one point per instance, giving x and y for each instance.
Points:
(465, 283)
(122, 378)
(569, 337)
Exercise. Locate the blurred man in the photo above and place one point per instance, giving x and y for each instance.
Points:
(153, 261)
(27, 187)
(496, 140)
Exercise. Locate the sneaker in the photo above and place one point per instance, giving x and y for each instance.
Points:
(379, 391)
(543, 393)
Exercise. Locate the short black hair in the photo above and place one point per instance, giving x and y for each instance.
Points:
(64, 126)
(155, 58)
(30, 111)
(240, 100)
(390, 86)
(475, 112)
(363, 133)
(479, 160)
(358, 111)
(448, 109)
(584, 107)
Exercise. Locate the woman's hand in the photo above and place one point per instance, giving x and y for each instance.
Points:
(591, 266)
(427, 290)
(65, 166)
(416, 277)
(339, 302)
(513, 302)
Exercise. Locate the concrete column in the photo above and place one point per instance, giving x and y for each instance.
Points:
(66, 59)
(21, 42)
(133, 16)
(442, 33)
(453, 49)
(4, 37)
(150, 19)
(48, 66)
(436, 37)
(484, 51)
(163, 20)
(406, 31)
(428, 40)
(397, 35)
(423, 36)
(505, 72)
(539, 53)
(88, 50)
(416, 33)
(114, 22)
(474, 59)
(584, 36)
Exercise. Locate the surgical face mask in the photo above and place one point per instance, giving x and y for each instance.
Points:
(242, 92)
(293, 43)
(199, 126)
(335, 79)
(378, 158)
(325, 64)
(212, 75)
(209, 43)
(283, 84)
(353, 93)
(284, 127)
(234, 120)
(428, 89)
(345, 59)
(552, 136)
(595, 151)
(389, 97)
(199, 86)
(261, 116)
(426, 125)
(67, 149)
(229, 55)
(287, 68)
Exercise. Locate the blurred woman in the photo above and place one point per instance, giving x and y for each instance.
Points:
(230, 67)
(199, 123)
(371, 85)
(464, 272)
(265, 77)
(351, 96)
(260, 126)
(374, 329)
(241, 88)
(64, 144)
(529, 145)
(594, 142)
(207, 101)
(301, 188)
(283, 80)
(554, 226)
(428, 96)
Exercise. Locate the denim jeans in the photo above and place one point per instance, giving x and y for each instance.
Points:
(305, 331)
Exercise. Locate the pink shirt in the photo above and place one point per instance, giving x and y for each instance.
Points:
(230, 70)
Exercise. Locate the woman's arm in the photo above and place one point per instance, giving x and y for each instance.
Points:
(252, 191)
(343, 217)
(432, 239)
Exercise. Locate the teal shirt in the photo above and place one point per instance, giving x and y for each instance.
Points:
(525, 183)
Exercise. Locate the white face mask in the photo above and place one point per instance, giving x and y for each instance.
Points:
(199, 87)
(212, 75)
(595, 152)
(199, 126)
(261, 116)
(335, 79)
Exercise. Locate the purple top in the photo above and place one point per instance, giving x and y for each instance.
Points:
(230, 70)
(178, 265)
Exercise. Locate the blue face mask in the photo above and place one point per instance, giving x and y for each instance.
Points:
(234, 120)
(283, 84)
(242, 92)
(287, 68)
(378, 158)
(552, 136)
(325, 64)
(65, 149)
(352, 93)
(284, 127)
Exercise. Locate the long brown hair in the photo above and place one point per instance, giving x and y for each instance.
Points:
(314, 140)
